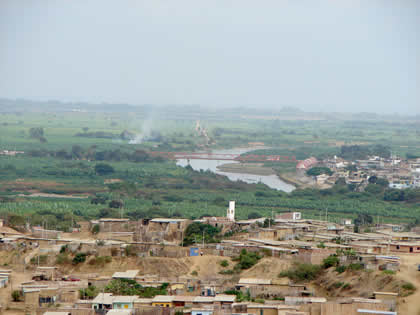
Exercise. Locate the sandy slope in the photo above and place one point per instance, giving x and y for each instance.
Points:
(410, 305)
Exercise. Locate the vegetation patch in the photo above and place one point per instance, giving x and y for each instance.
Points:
(302, 272)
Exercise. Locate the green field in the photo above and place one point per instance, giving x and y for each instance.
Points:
(64, 164)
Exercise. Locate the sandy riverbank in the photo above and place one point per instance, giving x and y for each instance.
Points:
(246, 168)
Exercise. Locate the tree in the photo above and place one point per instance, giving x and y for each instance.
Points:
(103, 169)
(195, 231)
(116, 204)
(268, 222)
(394, 195)
(77, 151)
(363, 219)
(372, 179)
(108, 213)
(36, 132)
(254, 215)
(315, 171)
(96, 229)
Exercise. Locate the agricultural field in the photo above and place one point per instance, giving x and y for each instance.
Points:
(79, 163)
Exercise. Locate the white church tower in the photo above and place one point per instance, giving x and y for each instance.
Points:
(231, 211)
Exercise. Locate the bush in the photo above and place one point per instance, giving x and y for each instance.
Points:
(64, 249)
(346, 286)
(79, 258)
(246, 260)
(408, 286)
(194, 273)
(321, 245)
(355, 267)
(96, 229)
(103, 169)
(16, 295)
(340, 269)
(338, 284)
(129, 251)
(89, 293)
(224, 263)
(131, 287)
(330, 261)
(388, 272)
(227, 272)
(301, 272)
(254, 215)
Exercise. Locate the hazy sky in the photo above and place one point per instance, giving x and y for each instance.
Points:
(342, 55)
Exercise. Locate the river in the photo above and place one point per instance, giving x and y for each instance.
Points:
(272, 181)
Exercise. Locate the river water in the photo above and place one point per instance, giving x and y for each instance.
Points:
(272, 181)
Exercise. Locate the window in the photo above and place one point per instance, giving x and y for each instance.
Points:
(398, 246)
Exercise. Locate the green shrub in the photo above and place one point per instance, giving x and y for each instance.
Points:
(16, 295)
(130, 251)
(408, 286)
(246, 260)
(346, 286)
(301, 272)
(224, 263)
(240, 296)
(131, 287)
(64, 249)
(96, 229)
(321, 245)
(330, 261)
(227, 272)
(355, 267)
(340, 269)
(388, 272)
(79, 258)
(338, 284)
(89, 293)
(194, 273)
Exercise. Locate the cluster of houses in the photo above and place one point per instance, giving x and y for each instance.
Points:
(10, 152)
(289, 237)
(400, 173)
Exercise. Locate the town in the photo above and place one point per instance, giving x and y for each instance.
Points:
(52, 272)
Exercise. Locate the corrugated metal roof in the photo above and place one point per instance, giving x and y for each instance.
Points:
(203, 299)
(163, 299)
(119, 312)
(225, 298)
(124, 299)
(167, 220)
(129, 274)
(103, 298)
(254, 281)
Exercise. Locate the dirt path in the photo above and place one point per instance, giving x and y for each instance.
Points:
(410, 305)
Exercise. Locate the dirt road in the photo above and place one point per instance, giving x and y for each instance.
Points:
(410, 305)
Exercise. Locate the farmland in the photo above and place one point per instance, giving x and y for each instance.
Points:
(65, 162)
